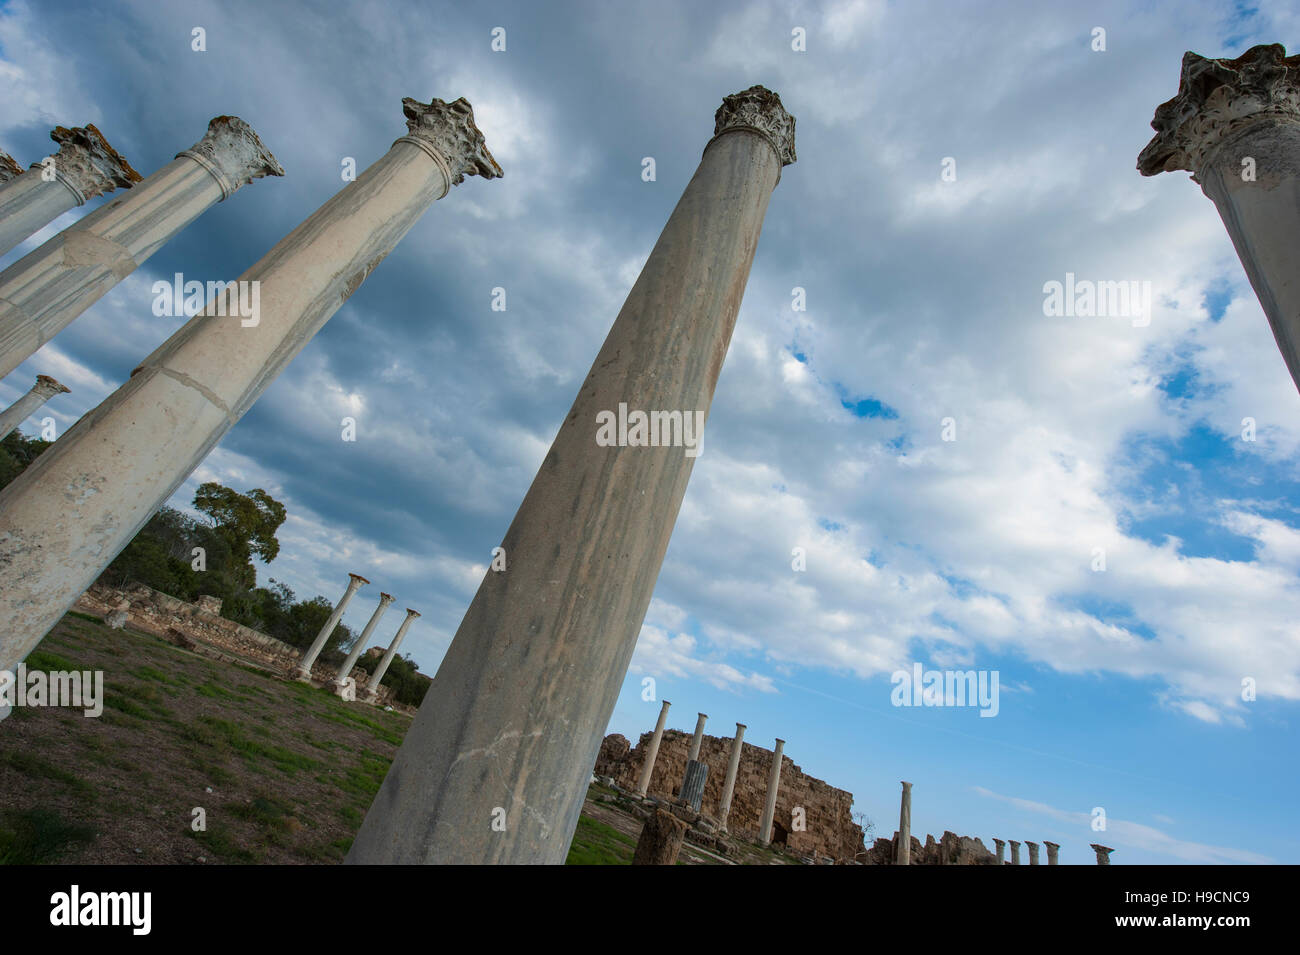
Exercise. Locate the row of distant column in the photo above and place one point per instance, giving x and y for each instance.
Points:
(903, 851)
(340, 684)
(692, 789)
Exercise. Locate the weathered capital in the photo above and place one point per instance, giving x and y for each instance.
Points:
(412, 613)
(48, 387)
(758, 110)
(1103, 853)
(233, 153)
(1218, 98)
(88, 165)
(9, 168)
(446, 131)
(357, 580)
(386, 599)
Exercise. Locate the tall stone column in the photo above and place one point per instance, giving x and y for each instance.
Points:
(1052, 849)
(1033, 852)
(372, 685)
(1015, 852)
(84, 167)
(1235, 125)
(1103, 853)
(586, 545)
(46, 289)
(1002, 850)
(648, 767)
(903, 855)
(729, 784)
(303, 670)
(18, 412)
(698, 737)
(773, 784)
(69, 514)
(360, 644)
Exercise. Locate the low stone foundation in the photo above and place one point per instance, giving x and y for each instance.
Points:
(200, 627)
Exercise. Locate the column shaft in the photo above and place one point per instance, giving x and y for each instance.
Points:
(652, 751)
(44, 389)
(698, 737)
(1052, 849)
(1002, 850)
(586, 546)
(359, 645)
(303, 670)
(773, 784)
(45, 290)
(1015, 852)
(372, 685)
(729, 784)
(1033, 852)
(904, 854)
(69, 514)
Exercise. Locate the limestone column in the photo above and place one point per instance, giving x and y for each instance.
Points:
(1052, 849)
(303, 670)
(904, 854)
(69, 514)
(1033, 852)
(372, 685)
(84, 167)
(773, 784)
(1015, 852)
(1103, 853)
(586, 544)
(648, 767)
(342, 677)
(1002, 850)
(698, 737)
(729, 784)
(1235, 125)
(18, 412)
(45, 290)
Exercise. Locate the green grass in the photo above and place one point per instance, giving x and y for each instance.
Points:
(31, 765)
(36, 836)
(596, 843)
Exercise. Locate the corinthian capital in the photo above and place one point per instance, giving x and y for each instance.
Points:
(758, 110)
(447, 132)
(48, 387)
(88, 165)
(233, 153)
(9, 169)
(1217, 98)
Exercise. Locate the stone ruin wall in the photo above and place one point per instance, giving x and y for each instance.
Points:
(200, 627)
(829, 826)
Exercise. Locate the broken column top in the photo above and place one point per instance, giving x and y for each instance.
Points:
(359, 578)
(447, 132)
(412, 613)
(1217, 98)
(49, 387)
(386, 598)
(233, 153)
(87, 164)
(9, 168)
(757, 110)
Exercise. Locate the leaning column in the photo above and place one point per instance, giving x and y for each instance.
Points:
(1052, 849)
(1015, 852)
(729, 784)
(303, 670)
(652, 751)
(46, 289)
(903, 855)
(18, 412)
(69, 514)
(1002, 850)
(341, 678)
(587, 543)
(84, 167)
(372, 685)
(773, 784)
(1103, 853)
(1033, 852)
(1235, 125)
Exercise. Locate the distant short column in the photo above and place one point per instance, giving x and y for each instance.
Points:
(1103, 853)
(341, 678)
(697, 775)
(773, 784)
(1033, 852)
(1002, 850)
(22, 409)
(652, 751)
(903, 855)
(729, 785)
(1015, 852)
(303, 670)
(372, 685)
(1052, 849)
(698, 737)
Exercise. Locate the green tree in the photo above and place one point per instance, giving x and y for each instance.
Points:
(247, 522)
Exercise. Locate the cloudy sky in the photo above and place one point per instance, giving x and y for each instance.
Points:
(1119, 688)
